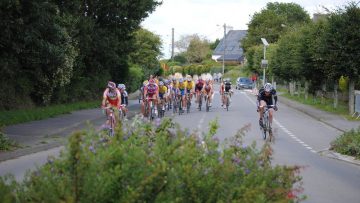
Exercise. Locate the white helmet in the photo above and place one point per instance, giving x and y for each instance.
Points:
(268, 87)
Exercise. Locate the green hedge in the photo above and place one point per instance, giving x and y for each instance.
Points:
(157, 162)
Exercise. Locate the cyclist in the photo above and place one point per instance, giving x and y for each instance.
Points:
(182, 87)
(198, 88)
(189, 86)
(162, 94)
(124, 98)
(265, 97)
(168, 93)
(226, 89)
(151, 92)
(208, 90)
(111, 98)
(142, 90)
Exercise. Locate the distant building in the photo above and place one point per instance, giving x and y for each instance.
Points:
(233, 52)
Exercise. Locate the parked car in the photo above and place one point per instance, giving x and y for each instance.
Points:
(244, 83)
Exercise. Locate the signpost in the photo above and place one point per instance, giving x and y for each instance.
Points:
(264, 62)
(357, 104)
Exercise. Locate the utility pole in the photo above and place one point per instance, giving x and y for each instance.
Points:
(172, 44)
(223, 65)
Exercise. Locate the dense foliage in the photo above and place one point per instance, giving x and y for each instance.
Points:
(64, 51)
(315, 54)
(157, 163)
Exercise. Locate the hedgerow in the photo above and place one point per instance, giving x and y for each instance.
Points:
(158, 162)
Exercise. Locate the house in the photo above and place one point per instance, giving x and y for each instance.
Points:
(233, 52)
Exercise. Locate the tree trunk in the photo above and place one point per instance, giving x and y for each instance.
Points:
(351, 96)
(291, 88)
(336, 97)
(323, 91)
(298, 88)
(306, 90)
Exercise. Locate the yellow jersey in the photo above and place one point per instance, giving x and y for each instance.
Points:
(182, 86)
(189, 85)
(163, 89)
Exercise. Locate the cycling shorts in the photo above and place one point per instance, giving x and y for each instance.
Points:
(182, 92)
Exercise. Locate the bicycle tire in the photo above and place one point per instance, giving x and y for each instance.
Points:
(200, 102)
(207, 105)
(188, 105)
(180, 106)
(227, 103)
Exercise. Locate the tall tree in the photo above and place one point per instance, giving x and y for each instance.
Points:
(270, 22)
(198, 50)
(342, 46)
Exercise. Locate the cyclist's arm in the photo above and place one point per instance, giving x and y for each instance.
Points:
(119, 97)
(103, 103)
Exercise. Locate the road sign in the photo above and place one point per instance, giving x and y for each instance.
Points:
(264, 63)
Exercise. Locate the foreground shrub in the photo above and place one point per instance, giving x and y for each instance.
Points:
(5, 143)
(348, 143)
(160, 162)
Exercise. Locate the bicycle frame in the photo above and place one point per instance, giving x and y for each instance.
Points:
(267, 128)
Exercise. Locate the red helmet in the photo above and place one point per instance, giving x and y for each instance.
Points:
(152, 81)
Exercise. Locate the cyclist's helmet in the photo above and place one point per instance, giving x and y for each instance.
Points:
(189, 79)
(181, 80)
(121, 86)
(145, 82)
(111, 85)
(268, 87)
(151, 81)
(161, 83)
(207, 81)
(227, 80)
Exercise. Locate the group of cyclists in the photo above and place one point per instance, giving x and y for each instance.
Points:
(166, 93)
(173, 92)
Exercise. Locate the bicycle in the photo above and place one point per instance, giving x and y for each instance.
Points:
(227, 100)
(180, 105)
(207, 105)
(188, 102)
(200, 100)
(112, 120)
(161, 108)
(266, 127)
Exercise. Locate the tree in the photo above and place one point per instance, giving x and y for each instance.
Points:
(269, 23)
(341, 46)
(147, 50)
(197, 50)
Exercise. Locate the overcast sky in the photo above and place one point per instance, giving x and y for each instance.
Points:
(206, 17)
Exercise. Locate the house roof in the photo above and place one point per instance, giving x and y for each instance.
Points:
(233, 49)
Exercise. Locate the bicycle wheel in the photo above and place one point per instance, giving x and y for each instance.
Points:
(227, 103)
(112, 126)
(263, 129)
(180, 106)
(207, 104)
(200, 102)
(188, 105)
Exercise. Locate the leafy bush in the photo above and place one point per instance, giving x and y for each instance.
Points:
(5, 143)
(159, 162)
(348, 143)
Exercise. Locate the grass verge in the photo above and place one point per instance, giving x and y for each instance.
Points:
(20, 116)
(348, 143)
(327, 104)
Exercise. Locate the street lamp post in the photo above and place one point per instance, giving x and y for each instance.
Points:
(223, 62)
(264, 62)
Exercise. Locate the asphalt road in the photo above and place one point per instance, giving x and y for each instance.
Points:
(299, 141)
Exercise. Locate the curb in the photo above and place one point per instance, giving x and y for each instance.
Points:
(341, 157)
